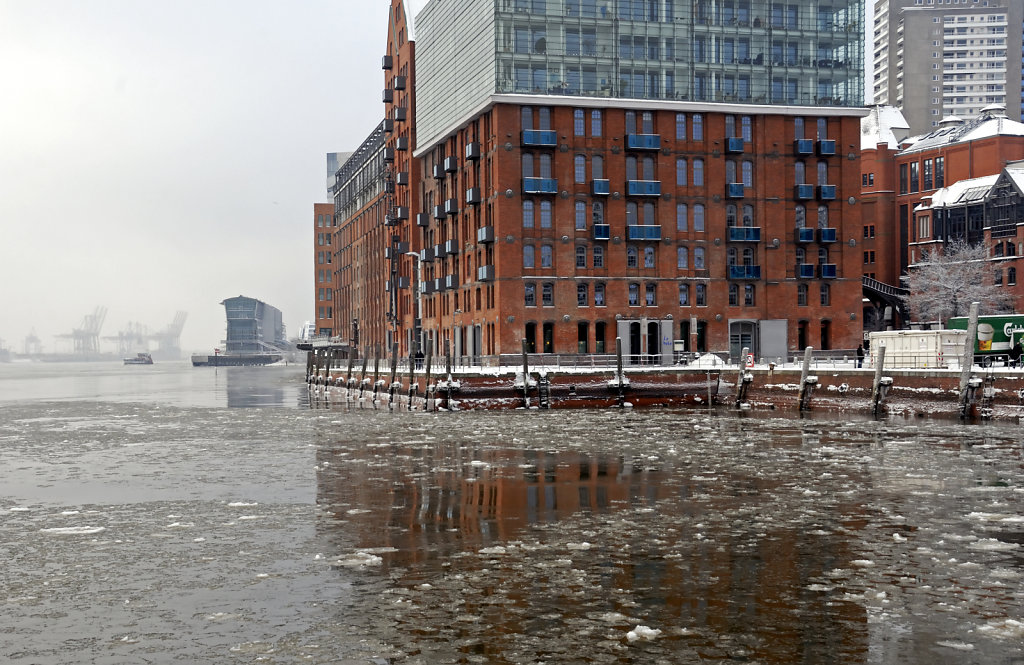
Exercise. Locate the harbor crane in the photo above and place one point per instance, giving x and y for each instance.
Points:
(86, 338)
(168, 339)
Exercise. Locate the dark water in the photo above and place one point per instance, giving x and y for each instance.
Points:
(165, 513)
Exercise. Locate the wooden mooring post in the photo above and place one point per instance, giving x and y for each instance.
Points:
(526, 375)
(394, 375)
(426, 384)
(412, 376)
(362, 375)
(807, 382)
(969, 384)
(879, 385)
(376, 372)
(620, 379)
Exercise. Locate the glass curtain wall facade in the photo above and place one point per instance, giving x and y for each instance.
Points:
(803, 52)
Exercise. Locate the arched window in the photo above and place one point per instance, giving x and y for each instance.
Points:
(684, 295)
(730, 256)
(682, 258)
(528, 256)
(801, 295)
(698, 173)
(748, 295)
(631, 213)
(581, 215)
(681, 172)
(697, 127)
(730, 215)
(631, 168)
(730, 171)
(599, 294)
(545, 165)
(580, 169)
(822, 128)
(598, 212)
(1011, 275)
(547, 294)
(698, 217)
(748, 256)
(822, 217)
(798, 128)
(651, 294)
(748, 215)
(598, 254)
(734, 294)
(822, 172)
(826, 294)
(822, 255)
(800, 215)
(632, 256)
(681, 212)
(530, 294)
(634, 294)
(582, 294)
(545, 214)
(545, 256)
(648, 217)
(581, 256)
(801, 255)
(527, 165)
(648, 169)
(799, 173)
(698, 258)
(597, 167)
(527, 214)
(748, 173)
(648, 256)
(746, 129)
(578, 128)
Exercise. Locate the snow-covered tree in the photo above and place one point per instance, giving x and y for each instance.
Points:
(946, 281)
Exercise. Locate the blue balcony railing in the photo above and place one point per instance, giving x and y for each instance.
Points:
(826, 147)
(734, 190)
(827, 270)
(826, 235)
(826, 192)
(540, 137)
(803, 192)
(643, 188)
(602, 231)
(805, 270)
(643, 232)
(803, 146)
(643, 141)
(805, 235)
(540, 185)
(734, 145)
(744, 234)
(744, 272)
(600, 187)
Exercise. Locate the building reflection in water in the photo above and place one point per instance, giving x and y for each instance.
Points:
(733, 561)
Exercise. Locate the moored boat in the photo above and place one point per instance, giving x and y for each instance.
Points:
(139, 359)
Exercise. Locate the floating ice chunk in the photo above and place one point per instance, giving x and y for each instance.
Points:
(359, 560)
(898, 538)
(642, 633)
(862, 563)
(243, 504)
(497, 549)
(74, 530)
(959, 646)
(579, 546)
(992, 545)
(1008, 629)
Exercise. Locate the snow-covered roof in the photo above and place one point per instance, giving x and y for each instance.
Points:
(412, 8)
(1015, 172)
(993, 122)
(883, 124)
(963, 191)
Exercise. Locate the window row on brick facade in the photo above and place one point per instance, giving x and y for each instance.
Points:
(646, 294)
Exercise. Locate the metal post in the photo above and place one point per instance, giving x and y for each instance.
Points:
(804, 374)
(739, 375)
(412, 375)
(394, 374)
(618, 371)
(426, 386)
(876, 383)
(526, 376)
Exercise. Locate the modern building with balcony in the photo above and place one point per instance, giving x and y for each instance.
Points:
(637, 170)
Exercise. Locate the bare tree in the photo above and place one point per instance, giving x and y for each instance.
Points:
(947, 280)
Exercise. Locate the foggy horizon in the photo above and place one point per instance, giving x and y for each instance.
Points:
(161, 159)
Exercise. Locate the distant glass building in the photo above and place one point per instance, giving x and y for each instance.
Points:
(253, 326)
(801, 52)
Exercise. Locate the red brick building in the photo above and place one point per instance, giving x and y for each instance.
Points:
(323, 273)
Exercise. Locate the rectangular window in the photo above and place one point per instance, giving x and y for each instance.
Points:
(914, 181)
(680, 172)
(581, 295)
(940, 172)
(595, 123)
(698, 173)
(634, 294)
(547, 294)
(684, 295)
(697, 127)
(903, 179)
(680, 126)
(577, 122)
(681, 211)
(651, 294)
(530, 294)
(702, 295)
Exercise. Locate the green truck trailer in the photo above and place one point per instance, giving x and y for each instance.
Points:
(997, 335)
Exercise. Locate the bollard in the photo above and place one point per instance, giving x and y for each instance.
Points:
(741, 384)
(426, 385)
(394, 375)
(526, 376)
(412, 375)
(879, 385)
(620, 384)
(807, 382)
(967, 362)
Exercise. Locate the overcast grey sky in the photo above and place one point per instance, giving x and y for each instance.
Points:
(165, 156)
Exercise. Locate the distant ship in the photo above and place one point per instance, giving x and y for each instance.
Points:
(139, 359)
(255, 335)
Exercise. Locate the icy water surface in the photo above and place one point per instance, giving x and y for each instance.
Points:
(146, 518)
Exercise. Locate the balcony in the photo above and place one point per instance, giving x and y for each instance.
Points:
(389, 154)
(401, 212)
(427, 287)
(540, 138)
(805, 235)
(402, 178)
(826, 235)
(744, 272)
(803, 147)
(602, 232)
(827, 270)
(734, 145)
(826, 147)
(803, 192)
(485, 234)
(734, 190)
(643, 188)
(451, 164)
(400, 113)
(473, 151)
(540, 185)
(451, 207)
(437, 172)
(643, 141)
(451, 282)
(389, 186)
(600, 187)
(643, 232)
(826, 192)
(473, 196)
(389, 125)
(427, 254)
(396, 251)
(439, 212)
(439, 252)
(485, 273)
(388, 96)
(402, 143)
(451, 246)
(422, 219)
(387, 62)
(400, 82)
(805, 270)
(439, 285)
(744, 234)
